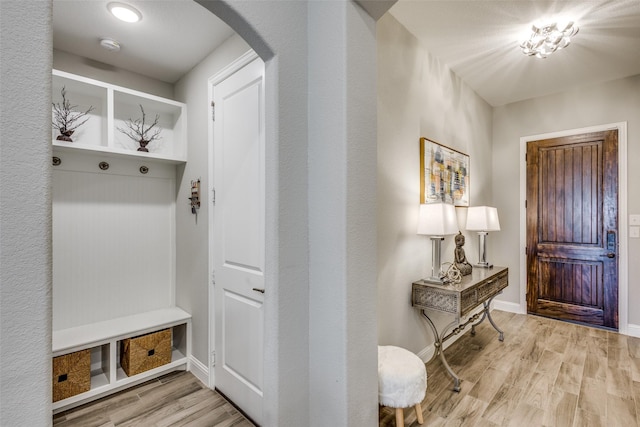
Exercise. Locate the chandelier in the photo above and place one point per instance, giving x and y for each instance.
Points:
(547, 38)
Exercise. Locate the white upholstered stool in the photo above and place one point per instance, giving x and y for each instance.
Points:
(402, 381)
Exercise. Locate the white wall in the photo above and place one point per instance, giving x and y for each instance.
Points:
(418, 97)
(283, 34)
(192, 251)
(611, 102)
(113, 239)
(25, 213)
(341, 200)
(71, 63)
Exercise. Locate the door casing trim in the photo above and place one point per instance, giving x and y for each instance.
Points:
(623, 266)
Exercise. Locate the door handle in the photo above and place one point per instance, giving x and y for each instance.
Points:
(611, 244)
(611, 241)
(261, 290)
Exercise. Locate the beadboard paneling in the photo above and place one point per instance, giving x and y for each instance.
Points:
(113, 241)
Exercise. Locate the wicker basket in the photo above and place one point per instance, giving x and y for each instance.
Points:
(145, 352)
(71, 374)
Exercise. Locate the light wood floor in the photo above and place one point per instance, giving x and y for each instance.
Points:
(176, 399)
(545, 373)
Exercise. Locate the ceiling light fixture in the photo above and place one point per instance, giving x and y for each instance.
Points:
(110, 44)
(547, 38)
(124, 12)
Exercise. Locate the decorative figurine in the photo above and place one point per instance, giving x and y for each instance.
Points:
(459, 256)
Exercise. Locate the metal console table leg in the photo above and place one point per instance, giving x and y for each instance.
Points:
(439, 350)
(441, 338)
(486, 313)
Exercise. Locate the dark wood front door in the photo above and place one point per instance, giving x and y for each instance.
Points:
(572, 228)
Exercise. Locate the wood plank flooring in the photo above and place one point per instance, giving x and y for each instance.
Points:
(176, 399)
(545, 373)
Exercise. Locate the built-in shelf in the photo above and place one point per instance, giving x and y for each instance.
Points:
(61, 148)
(104, 339)
(114, 233)
(113, 106)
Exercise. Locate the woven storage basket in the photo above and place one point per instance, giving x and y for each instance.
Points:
(145, 352)
(71, 374)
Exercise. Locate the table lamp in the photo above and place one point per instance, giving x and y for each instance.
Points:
(437, 220)
(482, 219)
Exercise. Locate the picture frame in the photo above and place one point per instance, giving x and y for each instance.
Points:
(444, 174)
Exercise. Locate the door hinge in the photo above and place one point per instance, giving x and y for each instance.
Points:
(213, 359)
(213, 196)
(213, 111)
(213, 277)
(525, 157)
(525, 204)
(526, 251)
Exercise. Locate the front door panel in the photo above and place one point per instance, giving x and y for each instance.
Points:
(572, 225)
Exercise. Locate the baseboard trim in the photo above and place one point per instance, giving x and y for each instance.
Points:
(510, 307)
(633, 330)
(199, 370)
(426, 354)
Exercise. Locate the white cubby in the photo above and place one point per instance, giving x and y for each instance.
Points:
(113, 106)
(100, 366)
(104, 340)
(93, 132)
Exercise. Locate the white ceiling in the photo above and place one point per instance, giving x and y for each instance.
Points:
(477, 39)
(172, 37)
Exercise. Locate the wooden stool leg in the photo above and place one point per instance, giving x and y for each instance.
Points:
(419, 413)
(399, 417)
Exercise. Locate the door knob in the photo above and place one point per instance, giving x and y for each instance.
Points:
(261, 290)
(609, 255)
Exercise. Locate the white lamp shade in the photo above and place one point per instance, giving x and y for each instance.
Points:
(482, 218)
(437, 219)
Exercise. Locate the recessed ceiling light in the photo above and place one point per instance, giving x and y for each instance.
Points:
(124, 12)
(110, 44)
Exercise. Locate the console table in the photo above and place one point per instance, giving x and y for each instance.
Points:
(459, 299)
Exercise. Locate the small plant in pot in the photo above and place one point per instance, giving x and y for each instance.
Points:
(141, 132)
(66, 119)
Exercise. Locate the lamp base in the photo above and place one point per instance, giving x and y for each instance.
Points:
(436, 265)
(483, 265)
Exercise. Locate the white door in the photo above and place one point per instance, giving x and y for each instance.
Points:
(238, 238)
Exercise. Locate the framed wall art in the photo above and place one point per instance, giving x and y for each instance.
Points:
(444, 174)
